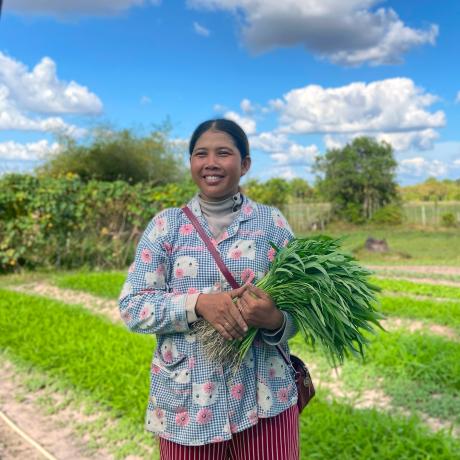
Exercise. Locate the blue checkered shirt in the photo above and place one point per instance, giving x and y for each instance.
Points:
(194, 401)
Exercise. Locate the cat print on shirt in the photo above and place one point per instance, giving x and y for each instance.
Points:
(185, 266)
(181, 376)
(147, 315)
(169, 350)
(205, 394)
(276, 367)
(264, 396)
(279, 220)
(156, 420)
(156, 279)
(242, 248)
(160, 229)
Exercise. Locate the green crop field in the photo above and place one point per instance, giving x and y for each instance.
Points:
(401, 402)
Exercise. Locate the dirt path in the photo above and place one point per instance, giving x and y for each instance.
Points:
(22, 408)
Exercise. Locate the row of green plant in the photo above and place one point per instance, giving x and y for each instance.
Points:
(413, 288)
(89, 353)
(404, 361)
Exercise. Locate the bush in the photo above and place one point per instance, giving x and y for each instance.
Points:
(391, 214)
(67, 223)
(449, 220)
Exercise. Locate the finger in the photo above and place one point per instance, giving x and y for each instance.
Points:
(256, 291)
(238, 292)
(239, 322)
(231, 328)
(223, 332)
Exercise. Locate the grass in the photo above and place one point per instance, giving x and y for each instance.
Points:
(407, 246)
(84, 349)
(103, 284)
(110, 365)
(445, 313)
(337, 431)
(411, 287)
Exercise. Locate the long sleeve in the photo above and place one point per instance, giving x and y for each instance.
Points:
(145, 303)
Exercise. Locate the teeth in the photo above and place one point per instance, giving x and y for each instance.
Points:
(212, 177)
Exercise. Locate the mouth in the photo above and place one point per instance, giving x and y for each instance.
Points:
(212, 179)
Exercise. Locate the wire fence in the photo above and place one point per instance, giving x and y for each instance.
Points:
(305, 217)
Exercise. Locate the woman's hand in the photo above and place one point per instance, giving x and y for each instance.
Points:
(220, 311)
(259, 309)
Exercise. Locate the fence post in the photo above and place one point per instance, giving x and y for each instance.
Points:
(423, 215)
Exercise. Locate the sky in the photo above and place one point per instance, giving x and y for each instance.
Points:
(300, 76)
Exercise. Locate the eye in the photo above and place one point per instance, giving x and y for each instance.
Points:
(249, 247)
(190, 264)
(236, 247)
(177, 264)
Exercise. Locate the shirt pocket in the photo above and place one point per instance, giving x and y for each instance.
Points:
(172, 383)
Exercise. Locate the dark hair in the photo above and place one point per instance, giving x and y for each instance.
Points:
(226, 126)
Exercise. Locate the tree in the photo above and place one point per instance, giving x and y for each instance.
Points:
(113, 155)
(300, 190)
(273, 192)
(358, 179)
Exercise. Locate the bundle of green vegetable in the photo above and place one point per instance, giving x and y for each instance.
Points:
(325, 290)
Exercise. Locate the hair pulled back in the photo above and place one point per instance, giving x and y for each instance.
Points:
(229, 127)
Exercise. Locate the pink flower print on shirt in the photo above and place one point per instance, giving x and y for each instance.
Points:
(217, 439)
(168, 356)
(204, 416)
(182, 417)
(271, 254)
(192, 290)
(237, 391)
(209, 387)
(233, 427)
(236, 254)
(132, 268)
(247, 209)
(252, 417)
(191, 362)
(285, 243)
(282, 395)
(146, 256)
(186, 229)
(247, 275)
(167, 247)
(145, 313)
(155, 369)
(272, 373)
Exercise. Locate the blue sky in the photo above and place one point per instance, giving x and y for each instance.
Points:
(300, 76)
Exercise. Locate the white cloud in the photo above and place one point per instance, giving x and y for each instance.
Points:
(145, 100)
(200, 30)
(419, 166)
(29, 151)
(283, 150)
(246, 106)
(25, 96)
(457, 162)
(248, 124)
(40, 90)
(67, 7)
(395, 110)
(348, 32)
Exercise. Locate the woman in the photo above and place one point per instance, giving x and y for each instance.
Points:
(198, 408)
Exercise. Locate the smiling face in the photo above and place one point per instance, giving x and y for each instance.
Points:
(216, 165)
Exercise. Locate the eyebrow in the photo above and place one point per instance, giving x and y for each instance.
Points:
(217, 148)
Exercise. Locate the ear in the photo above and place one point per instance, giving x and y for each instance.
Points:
(245, 165)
